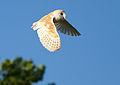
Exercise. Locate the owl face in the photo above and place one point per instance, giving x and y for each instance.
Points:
(59, 15)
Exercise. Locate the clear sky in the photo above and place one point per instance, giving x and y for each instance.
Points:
(91, 59)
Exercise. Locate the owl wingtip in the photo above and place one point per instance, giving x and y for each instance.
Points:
(79, 34)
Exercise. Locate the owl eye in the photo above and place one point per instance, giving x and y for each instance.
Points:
(61, 13)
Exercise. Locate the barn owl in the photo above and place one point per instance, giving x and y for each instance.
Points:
(48, 26)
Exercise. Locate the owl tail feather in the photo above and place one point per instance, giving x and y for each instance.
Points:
(34, 26)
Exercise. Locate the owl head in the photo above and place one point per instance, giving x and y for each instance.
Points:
(59, 15)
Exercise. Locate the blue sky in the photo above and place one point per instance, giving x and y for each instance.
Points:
(91, 59)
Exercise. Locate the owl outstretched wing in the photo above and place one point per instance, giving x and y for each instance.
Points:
(47, 33)
(66, 28)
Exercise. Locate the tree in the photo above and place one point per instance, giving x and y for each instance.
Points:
(19, 72)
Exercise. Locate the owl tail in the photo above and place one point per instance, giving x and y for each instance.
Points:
(49, 42)
(35, 26)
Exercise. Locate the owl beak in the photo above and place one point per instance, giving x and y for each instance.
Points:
(64, 16)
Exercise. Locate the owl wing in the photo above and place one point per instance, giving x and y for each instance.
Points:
(47, 34)
(66, 28)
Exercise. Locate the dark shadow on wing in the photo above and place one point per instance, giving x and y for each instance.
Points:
(67, 28)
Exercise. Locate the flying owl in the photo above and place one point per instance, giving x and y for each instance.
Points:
(48, 26)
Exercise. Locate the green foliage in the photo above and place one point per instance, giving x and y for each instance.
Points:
(19, 72)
